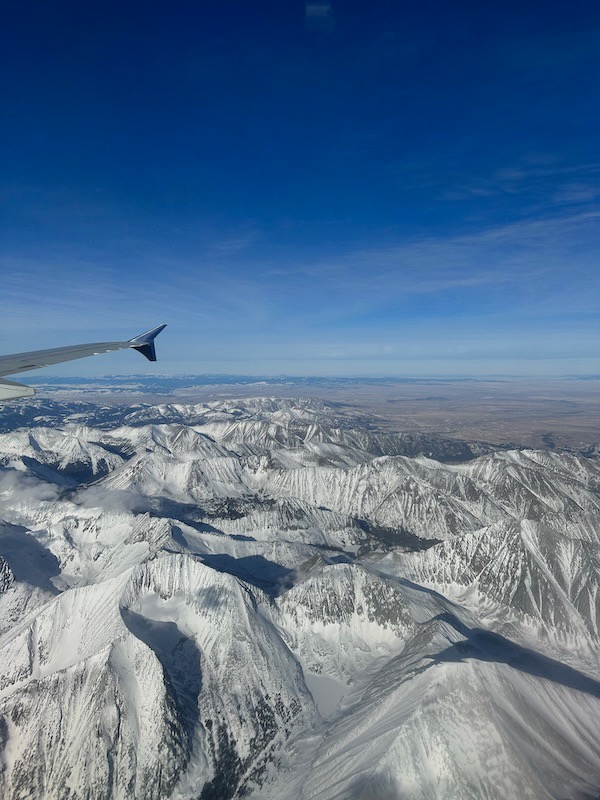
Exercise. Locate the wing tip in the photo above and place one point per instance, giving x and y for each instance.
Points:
(144, 343)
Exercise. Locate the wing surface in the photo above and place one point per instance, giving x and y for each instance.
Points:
(36, 359)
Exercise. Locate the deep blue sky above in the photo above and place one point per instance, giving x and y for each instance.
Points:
(412, 191)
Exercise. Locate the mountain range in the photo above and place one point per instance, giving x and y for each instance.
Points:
(281, 599)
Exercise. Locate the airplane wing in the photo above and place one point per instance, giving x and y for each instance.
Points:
(22, 362)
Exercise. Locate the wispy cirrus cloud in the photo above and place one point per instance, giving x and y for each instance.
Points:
(523, 263)
(527, 287)
(555, 184)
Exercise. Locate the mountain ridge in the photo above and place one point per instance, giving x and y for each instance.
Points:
(251, 599)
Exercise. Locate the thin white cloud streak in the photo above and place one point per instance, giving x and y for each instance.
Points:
(223, 288)
(259, 313)
(53, 299)
(540, 177)
(532, 263)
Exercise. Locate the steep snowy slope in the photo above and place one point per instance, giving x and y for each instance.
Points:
(277, 600)
(70, 455)
(171, 658)
(451, 720)
(525, 567)
(437, 500)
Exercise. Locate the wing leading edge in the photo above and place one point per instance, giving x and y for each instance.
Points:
(36, 359)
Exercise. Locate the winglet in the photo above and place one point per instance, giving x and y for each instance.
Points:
(144, 343)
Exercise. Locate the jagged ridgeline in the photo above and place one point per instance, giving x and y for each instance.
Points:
(282, 600)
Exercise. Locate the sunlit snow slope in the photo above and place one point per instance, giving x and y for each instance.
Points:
(280, 600)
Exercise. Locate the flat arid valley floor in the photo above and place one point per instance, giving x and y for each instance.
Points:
(540, 414)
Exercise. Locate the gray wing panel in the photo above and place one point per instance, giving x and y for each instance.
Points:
(9, 390)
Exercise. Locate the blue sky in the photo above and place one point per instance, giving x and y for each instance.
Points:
(411, 191)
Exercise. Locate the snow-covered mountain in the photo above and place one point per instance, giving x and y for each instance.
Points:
(279, 599)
